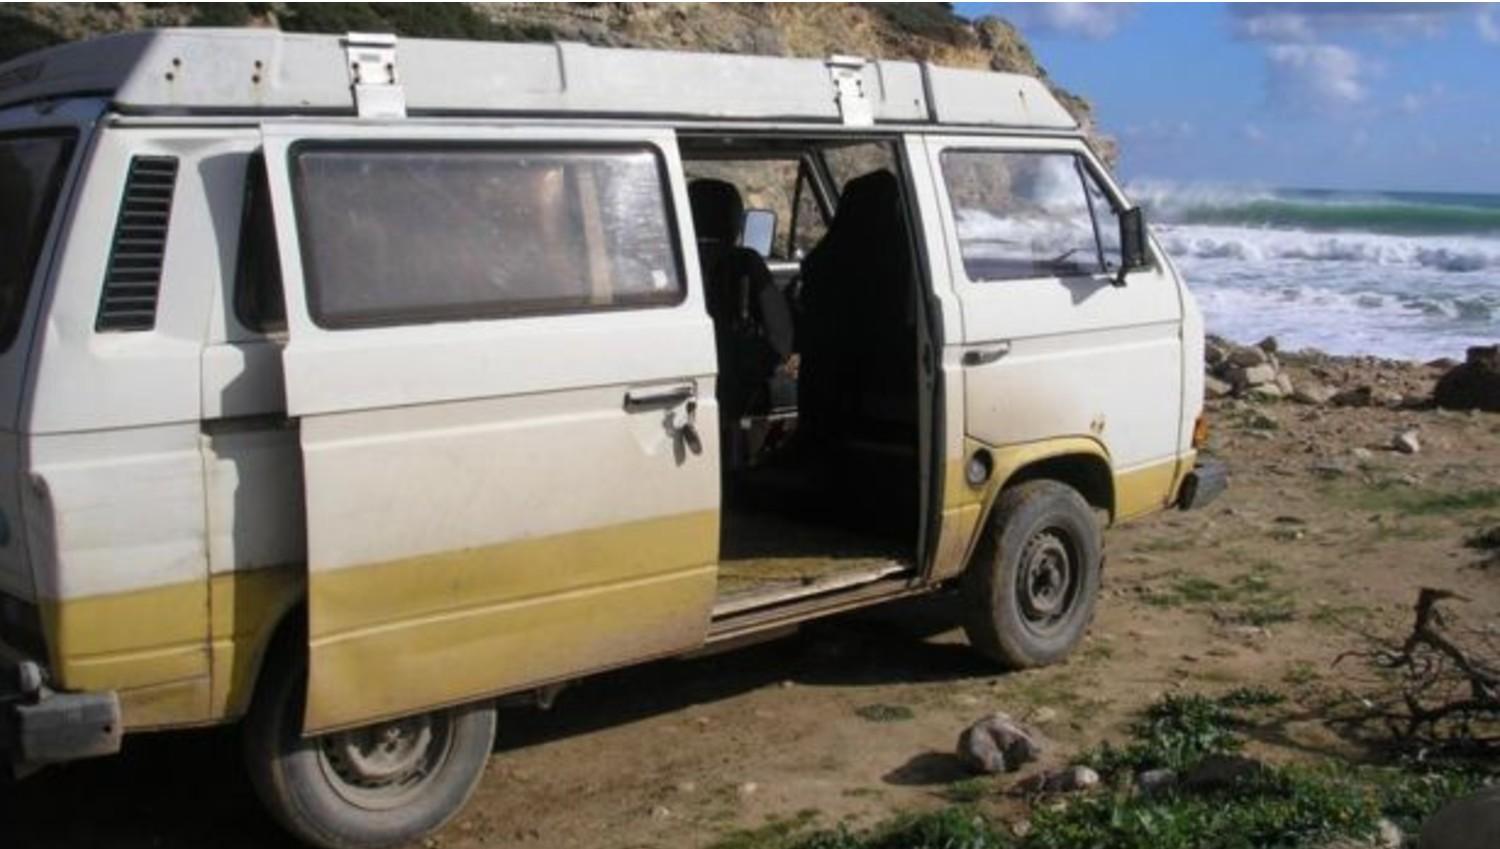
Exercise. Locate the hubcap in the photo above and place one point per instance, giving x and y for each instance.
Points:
(383, 766)
(1047, 581)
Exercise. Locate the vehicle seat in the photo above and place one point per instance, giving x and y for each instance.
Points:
(753, 326)
(858, 333)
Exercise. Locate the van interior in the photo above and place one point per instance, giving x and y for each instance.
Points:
(811, 281)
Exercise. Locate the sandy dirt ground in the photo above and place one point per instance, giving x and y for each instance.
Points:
(1325, 532)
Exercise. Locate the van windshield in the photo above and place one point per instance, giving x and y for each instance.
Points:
(31, 174)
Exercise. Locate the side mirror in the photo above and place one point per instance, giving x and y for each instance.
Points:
(1133, 252)
(759, 231)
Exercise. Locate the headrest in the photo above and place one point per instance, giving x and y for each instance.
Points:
(718, 210)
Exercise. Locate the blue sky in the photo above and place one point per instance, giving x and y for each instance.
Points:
(1352, 96)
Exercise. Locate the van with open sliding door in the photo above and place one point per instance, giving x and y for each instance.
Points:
(347, 386)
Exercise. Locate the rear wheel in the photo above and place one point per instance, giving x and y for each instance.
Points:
(367, 788)
(1030, 590)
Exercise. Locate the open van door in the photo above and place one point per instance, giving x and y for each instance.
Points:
(504, 376)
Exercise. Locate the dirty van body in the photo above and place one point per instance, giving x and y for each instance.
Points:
(348, 386)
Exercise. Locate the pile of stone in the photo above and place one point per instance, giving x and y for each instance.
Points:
(1256, 373)
(1245, 371)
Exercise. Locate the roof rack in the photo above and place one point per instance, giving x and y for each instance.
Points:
(258, 71)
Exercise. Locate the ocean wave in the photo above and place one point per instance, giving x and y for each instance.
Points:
(1257, 245)
(1391, 213)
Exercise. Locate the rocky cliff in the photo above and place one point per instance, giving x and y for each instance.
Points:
(923, 31)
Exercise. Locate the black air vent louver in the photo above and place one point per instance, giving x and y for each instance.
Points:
(134, 273)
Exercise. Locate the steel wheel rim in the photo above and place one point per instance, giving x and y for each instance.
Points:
(384, 766)
(1048, 581)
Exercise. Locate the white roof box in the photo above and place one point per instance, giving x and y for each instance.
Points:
(239, 71)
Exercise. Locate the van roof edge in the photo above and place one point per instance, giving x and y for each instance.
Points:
(214, 71)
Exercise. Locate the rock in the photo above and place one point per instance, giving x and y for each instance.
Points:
(661, 812)
(1284, 383)
(1214, 354)
(1269, 345)
(1359, 396)
(1472, 822)
(1020, 828)
(1406, 442)
(748, 789)
(997, 744)
(1389, 835)
(1070, 780)
(1248, 357)
(1265, 392)
(1216, 388)
(686, 787)
(1362, 454)
(1473, 385)
(1219, 772)
(1312, 393)
(1153, 782)
(1257, 375)
(1076, 778)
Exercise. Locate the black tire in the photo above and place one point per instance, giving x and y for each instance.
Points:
(1029, 592)
(321, 789)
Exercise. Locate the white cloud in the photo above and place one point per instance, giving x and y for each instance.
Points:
(1489, 25)
(1315, 76)
(1306, 22)
(1254, 134)
(1413, 102)
(1157, 131)
(1095, 21)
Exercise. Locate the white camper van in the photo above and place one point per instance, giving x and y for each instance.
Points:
(347, 385)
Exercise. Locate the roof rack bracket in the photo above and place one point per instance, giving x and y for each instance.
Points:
(371, 58)
(848, 75)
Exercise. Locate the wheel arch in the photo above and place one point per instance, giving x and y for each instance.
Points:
(1088, 473)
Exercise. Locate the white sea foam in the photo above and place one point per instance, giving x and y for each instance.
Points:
(1350, 293)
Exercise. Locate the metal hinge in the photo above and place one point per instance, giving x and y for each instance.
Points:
(372, 74)
(848, 74)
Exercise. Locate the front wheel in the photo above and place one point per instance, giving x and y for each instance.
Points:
(368, 788)
(1029, 593)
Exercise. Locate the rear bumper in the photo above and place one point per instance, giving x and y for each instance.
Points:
(39, 726)
(1207, 481)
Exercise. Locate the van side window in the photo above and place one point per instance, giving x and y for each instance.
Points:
(394, 234)
(847, 161)
(258, 301)
(808, 227)
(31, 173)
(1022, 214)
(1106, 220)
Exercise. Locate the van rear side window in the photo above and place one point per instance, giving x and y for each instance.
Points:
(31, 175)
(399, 235)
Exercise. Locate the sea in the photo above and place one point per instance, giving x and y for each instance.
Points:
(1408, 275)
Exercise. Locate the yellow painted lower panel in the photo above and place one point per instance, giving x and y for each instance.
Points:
(247, 608)
(450, 659)
(1147, 489)
(166, 705)
(120, 641)
(954, 539)
(397, 637)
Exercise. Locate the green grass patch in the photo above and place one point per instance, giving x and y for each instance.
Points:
(884, 713)
(1281, 807)
(1250, 598)
(969, 790)
(777, 834)
(1400, 497)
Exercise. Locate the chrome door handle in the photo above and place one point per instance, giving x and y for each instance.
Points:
(638, 400)
(986, 355)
